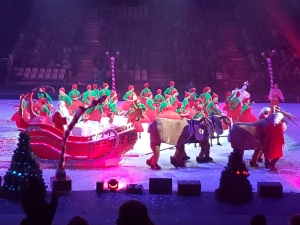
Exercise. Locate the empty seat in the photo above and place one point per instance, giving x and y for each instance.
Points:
(137, 77)
(55, 70)
(48, 70)
(47, 75)
(40, 76)
(33, 76)
(54, 76)
(26, 75)
(62, 71)
(137, 72)
(27, 70)
(35, 70)
(61, 76)
(144, 75)
(131, 73)
(42, 70)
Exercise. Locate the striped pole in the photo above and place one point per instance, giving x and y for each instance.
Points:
(270, 68)
(113, 78)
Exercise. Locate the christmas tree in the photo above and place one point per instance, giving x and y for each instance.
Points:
(234, 185)
(23, 166)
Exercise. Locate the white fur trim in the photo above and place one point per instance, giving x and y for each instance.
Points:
(264, 109)
(277, 119)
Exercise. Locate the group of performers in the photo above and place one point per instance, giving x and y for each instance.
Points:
(161, 105)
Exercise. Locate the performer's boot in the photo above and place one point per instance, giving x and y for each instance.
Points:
(155, 156)
(272, 164)
(260, 159)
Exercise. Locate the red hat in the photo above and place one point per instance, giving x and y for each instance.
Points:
(115, 98)
(215, 95)
(89, 87)
(245, 99)
(130, 87)
(179, 103)
(200, 100)
(146, 85)
(74, 87)
(228, 93)
(149, 94)
(43, 89)
(193, 90)
(237, 94)
(105, 85)
(167, 96)
(187, 94)
(158, 91)
(206, 89)
(113, 93)
(62, 89)
(95, 86)
(172, 83)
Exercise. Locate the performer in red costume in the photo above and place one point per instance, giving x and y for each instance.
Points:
(274, 140)
(151, 110)
(193, 97)
(75, 98)
(275, 95)
(246, 112)
(235, 107)
(227, 101)
(158, 99)
(166, 109)
(129, 98)
(144, 93)
(59, 117)
(186, 106)
(88, 96)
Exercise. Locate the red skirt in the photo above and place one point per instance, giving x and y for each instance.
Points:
(126, 105)
(234, 113)
(95, 116)
(247, 117)
(151, 113)
(75, 105)
(143, 100)
(169, 114)
(191, 112)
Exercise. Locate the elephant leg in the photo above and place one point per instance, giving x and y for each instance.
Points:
(177, 159)
(218, 140)
(204, 153)
(260, 156)
(253, 162)
(152, 162)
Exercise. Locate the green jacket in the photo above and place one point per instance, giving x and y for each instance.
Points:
(105, 91)
(149, 103)
(42, 95)
(169, 90)
(159, 97)
(66, 99)
(87, 94)
(127, 94)
(75, 94)
(144, 92)
(234, 103)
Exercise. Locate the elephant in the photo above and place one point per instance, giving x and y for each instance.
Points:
(252, 136)
(178, 133)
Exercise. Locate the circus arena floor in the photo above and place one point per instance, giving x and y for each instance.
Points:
(133, 169)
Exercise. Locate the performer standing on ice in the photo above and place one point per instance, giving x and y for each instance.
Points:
(64, 97)
(274, 96)
(144, 93)
(274, 140)
(151, 110)
(166, 109)
(211, 105)
(193, 97)
(75, 98)
(158, 99)
(96, 91)
(105, 90)
(246, 112)
(227, 101)
(186, 107)
(88, 96)
(206, 98)
(129, 98)
(235, 107)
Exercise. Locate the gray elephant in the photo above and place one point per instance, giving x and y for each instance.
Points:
(252, 136)
(178, 133)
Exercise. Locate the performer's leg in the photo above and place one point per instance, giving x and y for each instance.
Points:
(153, 160)
(253, 162)
(272, 164)
(218, 140)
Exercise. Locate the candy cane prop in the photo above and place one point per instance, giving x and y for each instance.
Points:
(112, 60)
(270, 68)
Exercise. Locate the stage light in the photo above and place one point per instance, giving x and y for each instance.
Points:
(113, 185)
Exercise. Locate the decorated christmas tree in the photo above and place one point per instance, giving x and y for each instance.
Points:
(234, 185)
(23, 166)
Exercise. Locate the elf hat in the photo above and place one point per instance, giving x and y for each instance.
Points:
(172, 83)
(130, 87)
(187, 94)
(146, 85)
(206, 89)
(89, 87)
(95, 86)
(228, 93)
(74, 87)
(158, 91)
(200, 100)
(105, 85)
(62, 89)
(149, 94)
(215, 95)
(43, 89)
(193, 90)
(113, 93)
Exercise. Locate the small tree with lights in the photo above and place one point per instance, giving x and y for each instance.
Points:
(23, 166)
(234, 185)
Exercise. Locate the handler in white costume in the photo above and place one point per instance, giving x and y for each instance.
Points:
(243, 93)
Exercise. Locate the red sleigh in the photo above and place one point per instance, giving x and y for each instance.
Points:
(104, 149)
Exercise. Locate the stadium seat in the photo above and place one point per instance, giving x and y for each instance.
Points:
(32, 76)
(42, 70)
(40, 76)
(27, 70)
(26, 75)
(47, 75)
(35, 70)
(61, 76)
(54, 76)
